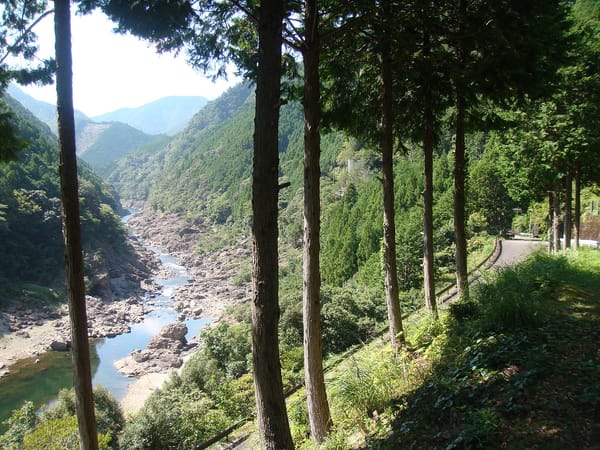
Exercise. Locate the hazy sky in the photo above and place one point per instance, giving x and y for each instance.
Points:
(111, 71)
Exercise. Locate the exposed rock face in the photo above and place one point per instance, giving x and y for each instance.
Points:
(164, 352)
(210, 287)
(171, 337)
(119, 282)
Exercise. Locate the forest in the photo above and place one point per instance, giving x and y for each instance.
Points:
(366, 192)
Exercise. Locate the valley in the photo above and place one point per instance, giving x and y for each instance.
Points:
(170, 287)
(195, 295)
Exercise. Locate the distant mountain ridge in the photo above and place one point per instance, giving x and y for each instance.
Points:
(43, 111)
(99, 144)
(167, 115)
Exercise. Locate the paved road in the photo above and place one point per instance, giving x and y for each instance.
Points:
(514, 250)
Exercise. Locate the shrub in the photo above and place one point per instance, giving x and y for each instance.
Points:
(517, 297)
(368, 384)
(59, 434)
(20, 423)
(109, 417)
(230, 346)
(172, 419)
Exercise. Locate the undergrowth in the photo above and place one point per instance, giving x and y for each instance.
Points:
(518, 366)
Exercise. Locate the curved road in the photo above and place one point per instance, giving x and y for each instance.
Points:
(515, 250)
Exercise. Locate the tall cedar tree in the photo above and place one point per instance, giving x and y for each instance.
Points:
(316, 395)
(217, 33)
(482, 35)
(370, 94)
(80, 352)
(268, 385)
(428, 148)
(387, 149)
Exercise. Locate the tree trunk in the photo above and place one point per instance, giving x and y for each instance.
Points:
(428, 142)
(80, 353)
(568, 208)
(556, 217)
(389, 226)
(577, 220)
(462, 278)
(551, 248)
(318, 407)
(268, 386)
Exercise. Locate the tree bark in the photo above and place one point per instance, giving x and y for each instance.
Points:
(318, 406)
(556, 217)
(551, 248)
(462, 278)
(577, 221)
(80, 353)
(268, 385)
(568, 208)
(428, 142)
(389, 225)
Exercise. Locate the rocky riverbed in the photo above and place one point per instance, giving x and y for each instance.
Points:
(209, 291)
(119, 287)
(26, 333)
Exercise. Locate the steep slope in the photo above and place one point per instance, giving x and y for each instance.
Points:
(208, 166)
(101, 144)
(31, 248)
(167, 115)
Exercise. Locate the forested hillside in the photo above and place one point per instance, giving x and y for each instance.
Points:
(31, 245)
(99, 143)
(205, 171)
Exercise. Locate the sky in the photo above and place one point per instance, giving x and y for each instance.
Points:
(112, 71)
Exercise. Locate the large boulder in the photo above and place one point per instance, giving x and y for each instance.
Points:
(60, 345)
(171, 336)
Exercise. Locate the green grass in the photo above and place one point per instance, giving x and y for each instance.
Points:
(519, 370)
(517, 367)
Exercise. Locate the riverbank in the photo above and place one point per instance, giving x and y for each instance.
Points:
(211, 286)
(28, 333)
(208, 293)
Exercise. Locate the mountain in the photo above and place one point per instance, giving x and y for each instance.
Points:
(208, 166)
(99, 144)
(46, 112)
(167, 115)
(31, 244)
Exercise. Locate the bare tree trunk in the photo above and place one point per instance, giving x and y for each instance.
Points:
(80, 353)
(551, 248)
(568, 208)
(268, 385)
(318, 406)
(556, 217)
(462, 278)
(428, 142)
(389, 225)
(577, 220)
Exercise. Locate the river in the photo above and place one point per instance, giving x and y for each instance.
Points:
(40, 379)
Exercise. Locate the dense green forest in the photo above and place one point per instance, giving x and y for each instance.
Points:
(495, 130)
(32, 254)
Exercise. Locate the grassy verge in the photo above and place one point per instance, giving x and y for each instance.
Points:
(518, 367)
